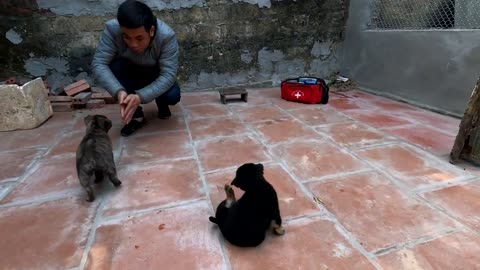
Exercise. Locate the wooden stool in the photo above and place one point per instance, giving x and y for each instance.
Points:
(233, 91)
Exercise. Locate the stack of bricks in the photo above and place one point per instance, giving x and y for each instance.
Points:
(80, 95)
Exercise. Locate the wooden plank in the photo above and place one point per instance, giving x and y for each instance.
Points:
(62, 106)
(95, 104)
(60, 99)
(232, 91)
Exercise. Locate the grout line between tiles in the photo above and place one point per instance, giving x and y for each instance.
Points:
(206, 190)
(124, 215)
(155, 161)
(231, 168)
(41, 199)
(434, 187)
(419, 241)
(448, 214)
(332, 177)
(93, 229)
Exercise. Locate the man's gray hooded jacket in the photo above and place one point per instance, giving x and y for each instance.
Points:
(163, 52)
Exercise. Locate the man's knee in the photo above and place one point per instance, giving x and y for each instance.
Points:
(172, 96)
(118, 67)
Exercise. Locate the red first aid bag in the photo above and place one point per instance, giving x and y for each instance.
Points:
(305, 90)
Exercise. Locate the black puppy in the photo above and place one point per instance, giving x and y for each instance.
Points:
(95, 155)
(244, 222)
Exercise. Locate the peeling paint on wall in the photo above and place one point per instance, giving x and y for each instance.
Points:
(260, 3)
(230, 42)
(13, 37)
(103, 7)
(321, 49)
(41, 66)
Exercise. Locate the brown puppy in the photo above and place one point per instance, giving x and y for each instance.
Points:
(95, 155)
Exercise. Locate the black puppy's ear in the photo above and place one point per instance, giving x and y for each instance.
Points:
(259, 168)
(87, 119)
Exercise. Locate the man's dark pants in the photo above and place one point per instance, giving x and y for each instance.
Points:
(134, 77)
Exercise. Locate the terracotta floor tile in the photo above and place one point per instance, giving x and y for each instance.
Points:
(315, 159)
(352, 134)
(284, 130)
(260, 113)
(60, 119)
(342, 102)
(51, 235)
(39, 137)
(151, 110)
(445, 123)
(252, 100)
(176, 122)
(319, 116)
(145, 186)
(202, 129)
(290, 105)
(15, 163)
(175, 238)
(200, 98)
(297, 249)
(67, 144)
(207, 110)
(429, 139)
(455, 251)
(461, 201)
(48, 179)
(293, 201)
(227, 152)
(139, 149)
(408, 165)
(367, 202)
(377, 118)
(273, 92)
(391, 105)
(114, 116)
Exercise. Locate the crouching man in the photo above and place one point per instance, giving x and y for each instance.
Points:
(136, 62)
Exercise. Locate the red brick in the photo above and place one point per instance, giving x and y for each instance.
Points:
(77, 87)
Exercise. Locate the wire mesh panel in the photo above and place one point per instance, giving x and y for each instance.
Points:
(425, 14)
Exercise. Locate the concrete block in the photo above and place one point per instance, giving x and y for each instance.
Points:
(95, 104)
(82, 98)
(24, 107)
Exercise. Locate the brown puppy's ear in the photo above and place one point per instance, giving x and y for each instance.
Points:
(87, 120)
(259, 168)
(107, 124)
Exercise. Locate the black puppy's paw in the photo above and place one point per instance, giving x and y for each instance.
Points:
(279, 230)
(229, 191)
(212, 219)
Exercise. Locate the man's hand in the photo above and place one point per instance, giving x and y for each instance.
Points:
(121, 100)
(132, 102)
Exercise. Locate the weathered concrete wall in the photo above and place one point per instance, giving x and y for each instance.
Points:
(434, 68)
(223, 42)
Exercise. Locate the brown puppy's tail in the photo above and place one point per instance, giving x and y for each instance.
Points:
(213, 220)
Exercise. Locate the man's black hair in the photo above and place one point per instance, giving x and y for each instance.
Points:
(134, 14)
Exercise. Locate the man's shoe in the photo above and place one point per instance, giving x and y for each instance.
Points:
(132, 127)
(164, 112)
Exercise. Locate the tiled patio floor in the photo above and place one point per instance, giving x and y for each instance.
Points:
(388, 198)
